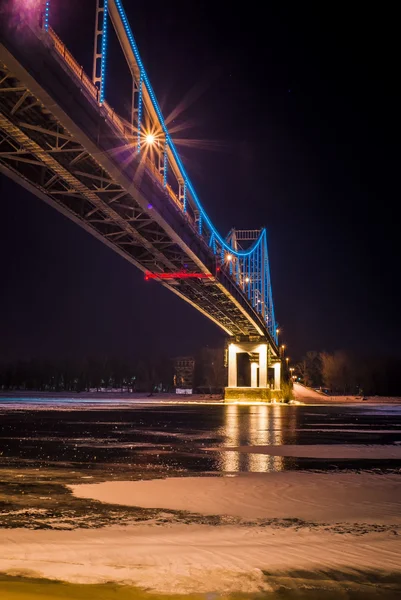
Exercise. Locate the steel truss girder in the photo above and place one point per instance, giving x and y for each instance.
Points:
(89, 190)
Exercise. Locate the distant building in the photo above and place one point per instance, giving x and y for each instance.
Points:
(184, 367)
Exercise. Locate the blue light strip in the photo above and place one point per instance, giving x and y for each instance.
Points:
(184, 207)
(258, 294)
(252, 269)
(139, 123)
(200, 224)
(272, 327)
(171, 143)
(256, 277)
(47, 12)
(104, 53)
(249, 277)
(260, 280)
(265, 290)
(165, 164)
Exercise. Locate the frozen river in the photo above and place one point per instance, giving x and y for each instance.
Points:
(295, 497)
(196, 438)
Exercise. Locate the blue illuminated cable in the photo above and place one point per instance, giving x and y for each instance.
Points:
(185, 197)
(165, 164)
(239, 253)
(139, 124)
(47, 13)
(104, 52)
(171, 143)
(273, 327)
(249, 276)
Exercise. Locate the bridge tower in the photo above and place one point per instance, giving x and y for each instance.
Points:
(252, 274)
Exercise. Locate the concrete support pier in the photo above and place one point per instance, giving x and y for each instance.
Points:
(263, 356)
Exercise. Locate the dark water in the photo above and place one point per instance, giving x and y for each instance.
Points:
(176, 437)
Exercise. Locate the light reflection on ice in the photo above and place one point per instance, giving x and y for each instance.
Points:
(230, 461)
(258, 426)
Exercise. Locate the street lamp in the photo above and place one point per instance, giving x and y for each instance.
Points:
(150, 139)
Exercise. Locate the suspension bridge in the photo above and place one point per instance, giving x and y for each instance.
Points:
(124, 182)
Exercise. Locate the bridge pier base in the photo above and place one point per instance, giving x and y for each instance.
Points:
(265, 372)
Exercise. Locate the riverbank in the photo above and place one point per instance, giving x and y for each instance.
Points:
(303, 585)
(309, 396)
(38, 400)
(34, 399)
(274, 524)
(191, 559)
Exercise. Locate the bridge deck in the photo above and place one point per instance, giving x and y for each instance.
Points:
(59, 143)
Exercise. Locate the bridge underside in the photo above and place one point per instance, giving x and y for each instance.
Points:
(56, 142)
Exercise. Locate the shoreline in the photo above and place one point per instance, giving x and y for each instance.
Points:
(302, 396)
(329, 584)
(275, 526)
(188, 559)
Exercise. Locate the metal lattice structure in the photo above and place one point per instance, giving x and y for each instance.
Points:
(60, 139)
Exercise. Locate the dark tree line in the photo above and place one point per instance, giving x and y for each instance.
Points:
(147, 374)
(210, 374)
(344, 373)
(143, 375)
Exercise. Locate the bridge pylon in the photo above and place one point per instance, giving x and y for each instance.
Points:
(264, 378)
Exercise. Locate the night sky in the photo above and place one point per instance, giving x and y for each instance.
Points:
(298, 104)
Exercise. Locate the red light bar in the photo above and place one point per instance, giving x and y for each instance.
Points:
(178, 275)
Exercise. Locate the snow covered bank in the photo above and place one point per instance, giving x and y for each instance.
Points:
(309, 396)
(280, 522)
(190, 558)
(101, 400)
(331, 497)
